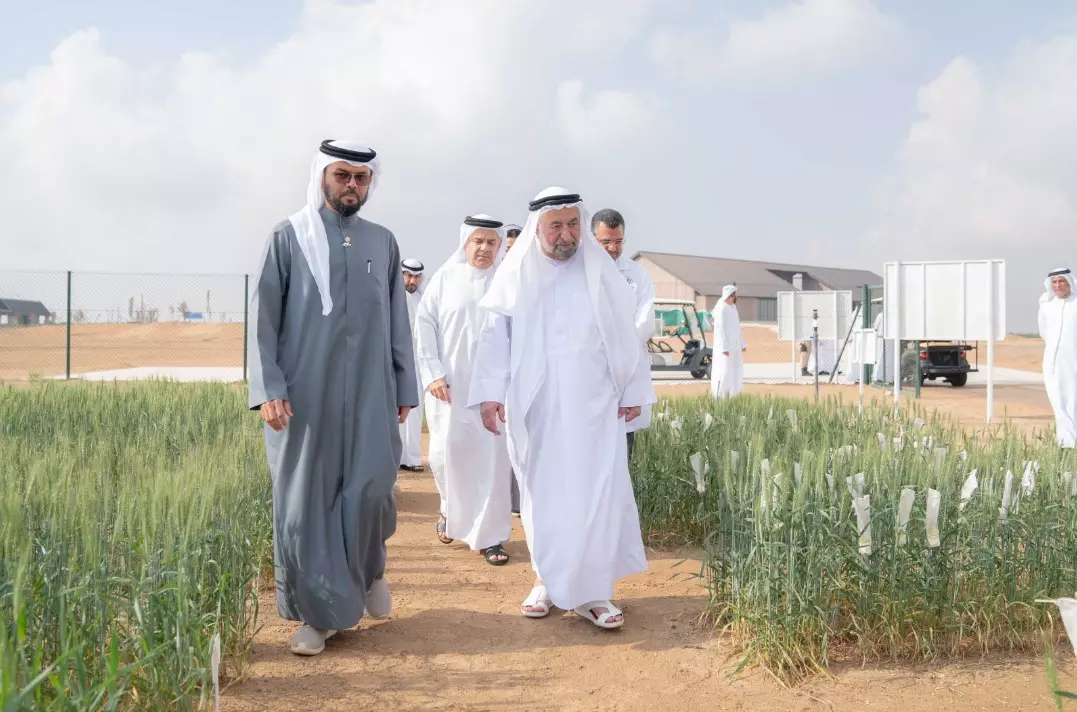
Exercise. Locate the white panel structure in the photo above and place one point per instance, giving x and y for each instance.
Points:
(961, 300)
(945, 301)
(864, 346)
(796, 324)
(795, 314)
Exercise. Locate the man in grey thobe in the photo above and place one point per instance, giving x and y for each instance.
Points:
(333, 375)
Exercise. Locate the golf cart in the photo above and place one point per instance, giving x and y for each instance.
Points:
(939, 359)
(679, 322)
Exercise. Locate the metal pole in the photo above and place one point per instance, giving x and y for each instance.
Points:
(246, 312)
(865, 323)
(992, 290)
(815, 347)
(67, 346)
(897, 326)
(919, 372)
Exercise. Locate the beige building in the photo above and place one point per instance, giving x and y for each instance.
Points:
(700, 279)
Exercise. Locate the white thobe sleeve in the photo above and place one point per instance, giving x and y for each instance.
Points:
(640, 390)
(644, 308)
(492, 367)
(426, 340)
(1041, 318)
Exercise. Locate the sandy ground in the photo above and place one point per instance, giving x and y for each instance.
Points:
(456, 641)
(41, 350)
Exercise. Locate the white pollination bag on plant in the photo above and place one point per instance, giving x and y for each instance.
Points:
(708, 421)
(862, 506)
(797, 476)
(675, 426)
(904, 510)
(1028, 479)
(970, 486)
(882, 441)
(1007, 496)
(734, 460)
(931, 518)
(1069, 483)
(700, 468)
(792, 415)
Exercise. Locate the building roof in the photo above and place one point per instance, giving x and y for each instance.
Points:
(707, 275)
(22, 306)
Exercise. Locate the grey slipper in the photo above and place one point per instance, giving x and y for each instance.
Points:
(379, 600)
(310, 641)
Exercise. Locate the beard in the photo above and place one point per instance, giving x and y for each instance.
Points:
(563, 250)
(336, 202)
(411, 288)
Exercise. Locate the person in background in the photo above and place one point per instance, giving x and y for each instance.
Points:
(511, 233)
(469, 463)
(727, 375)
(411, 431)
(608, 227)
(1058, 328)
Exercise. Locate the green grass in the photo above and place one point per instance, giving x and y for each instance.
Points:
(783, 558)
(135, 527)
(135, 522)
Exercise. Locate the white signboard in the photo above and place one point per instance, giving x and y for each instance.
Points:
(945, 301)
(835, 310)
(3, 319)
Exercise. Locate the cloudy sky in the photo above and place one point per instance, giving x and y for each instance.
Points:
(161, 136)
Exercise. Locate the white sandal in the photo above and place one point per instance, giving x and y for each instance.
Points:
(602, 621)
(538, 598)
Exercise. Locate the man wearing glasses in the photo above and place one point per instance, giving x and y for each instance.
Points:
(333, 375)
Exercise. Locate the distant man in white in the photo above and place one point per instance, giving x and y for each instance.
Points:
(727, 374)
(559, 369)
(470, 464)
(511, 233)
(608, 227)
(1058, 329)
(411, 431)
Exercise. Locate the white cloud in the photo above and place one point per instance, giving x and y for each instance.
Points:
(610, 118)
(989, 170)
(188, 165)
(804, 38)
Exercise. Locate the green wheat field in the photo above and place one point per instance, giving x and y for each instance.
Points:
(136, 535)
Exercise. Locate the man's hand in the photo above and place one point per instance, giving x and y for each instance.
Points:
(725, 353)
(402, 412)
(440, 390)
(276, 413)
(492, 412)
(629, 414)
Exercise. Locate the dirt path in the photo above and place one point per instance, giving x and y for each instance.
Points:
(456, 641)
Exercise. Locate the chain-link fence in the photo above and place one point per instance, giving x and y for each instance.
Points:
(106, 325)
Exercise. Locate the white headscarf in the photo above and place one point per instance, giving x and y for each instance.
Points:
(414, 266)
(1050, 292)
(309, 229)
(515, 290)
(466, 230)
(727, 290)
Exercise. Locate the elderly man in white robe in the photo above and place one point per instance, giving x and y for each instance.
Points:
(608, 227)
(727, 375)
(470, 464)
(1058, 329)
(559, 369)
(411, 430)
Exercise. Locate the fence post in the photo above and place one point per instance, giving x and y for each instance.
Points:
(865, 323)
(246, 313)
(67, 348)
